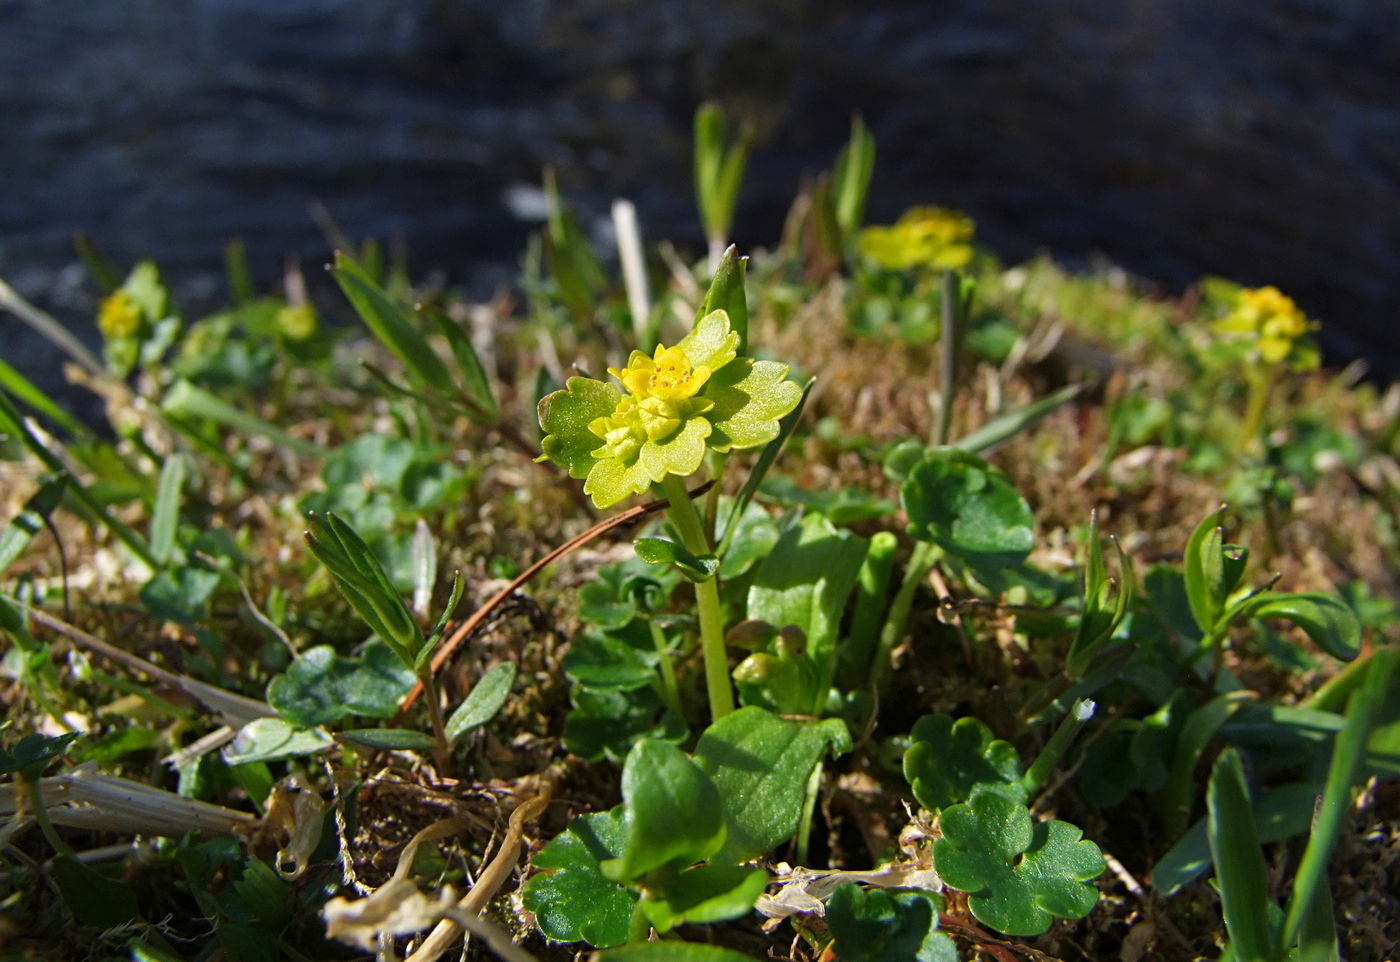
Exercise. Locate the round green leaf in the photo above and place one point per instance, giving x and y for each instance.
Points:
(1018, 874)
(565, 416)
(968, 508)
(946, 760)
(321, 687)
(711, 343)
(877, 925)
(760, 764)
(750, 397)
(570, 897)
(709, 893)
(674, 815)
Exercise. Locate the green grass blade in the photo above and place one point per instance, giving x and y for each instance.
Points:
(476, 386)
(165, 519)
(18, 533)
(1201, 726)
(12, 422)
(1317, 937)
(96, 262)
(1011, 423)
(1203, 569)
(1362, 711)
(240, 280)
(26, 392)
(184, 400)
(850, 178)
(1239, 862)
(391, 325)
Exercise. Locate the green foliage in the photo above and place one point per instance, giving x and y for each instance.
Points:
(719, 170)
(322, 687)
(875, 925)
(573, 901)
(1099, 619)
(486, 698)
(968, 508)
(227, 429)
(946, 760)
(30, 755)
(1018, 873)
(674, 816)
(759, 763)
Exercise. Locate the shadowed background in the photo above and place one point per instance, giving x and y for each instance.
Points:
(1258, 140)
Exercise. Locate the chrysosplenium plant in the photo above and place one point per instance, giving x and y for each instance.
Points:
(654, 427)
(673, 406)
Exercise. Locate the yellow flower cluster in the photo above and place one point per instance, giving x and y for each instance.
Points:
(924, 237)
(297, 322)
(662, 395)
(1276, 325)
(119, 316)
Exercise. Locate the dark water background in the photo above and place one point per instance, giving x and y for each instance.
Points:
(1257, 139)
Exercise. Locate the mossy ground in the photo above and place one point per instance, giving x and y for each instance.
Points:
(1149, 484)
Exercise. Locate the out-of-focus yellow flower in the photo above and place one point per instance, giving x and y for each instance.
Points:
(119, 317)
(924, 237)
(297, 322)
(1275, 323)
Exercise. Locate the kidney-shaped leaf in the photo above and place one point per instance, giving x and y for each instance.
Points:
(321, 687)
(968, 508)
(760, 763)
(1017, 873)
(946, 760)
(571, 898)
(884, 926)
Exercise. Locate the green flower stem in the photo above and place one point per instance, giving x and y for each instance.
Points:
(948, 362)
(717, 463)
(671, 691)
(441, 754)
(639, 930)
(1256, 406)
(683, 515)
(41, 816)
(1058, 744)
(921, 562)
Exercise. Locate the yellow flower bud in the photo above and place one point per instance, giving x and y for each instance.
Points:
(119, 316)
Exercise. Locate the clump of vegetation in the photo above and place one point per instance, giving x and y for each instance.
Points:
(320, 649)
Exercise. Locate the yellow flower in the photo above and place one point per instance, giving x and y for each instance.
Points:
(119, 316)
(663, 389)
(924, 237)
(1275, 323)
(297, 322)
(668, 376)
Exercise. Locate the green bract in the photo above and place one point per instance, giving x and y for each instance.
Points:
(680, 401)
